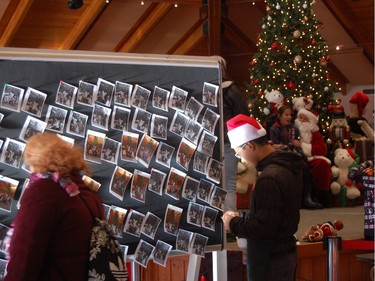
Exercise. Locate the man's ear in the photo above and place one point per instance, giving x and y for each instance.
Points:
(251, 145)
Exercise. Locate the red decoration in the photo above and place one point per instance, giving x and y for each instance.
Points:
(291, 85)
(202, 278)
(254, 62)
(313, 42)
(274, 46)
(256, 81)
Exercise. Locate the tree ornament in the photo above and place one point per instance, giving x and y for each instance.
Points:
(269, 18)
(326, 89)
(305, 18)
(278, 6)
(254, 62)
(297, 34)
(323, 62)
(313, 41)
(274, 46)
(314, 81)
(297, 59)
(256, 81)
(304, 6)
(291, 85)
(264, 26)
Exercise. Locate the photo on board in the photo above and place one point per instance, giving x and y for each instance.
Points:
(86, 94)
(140, 97)
(116, 219)
(31, 127)
(217, 199)
(193, 109)
(174, 183)
(184, 153)
(119, 182)
(204, 190)
(159, 127)
(146, 149)
(33, 102)
(91, 183)
(179, 123)
(195, 214)
(190, 188)
(210, 93)
(172, 219)
(8, 187)
(110, 151)
(122, 94)
(164, 154)
(76, 124)
(11, 98)
(150, 225)
(161, 253)
(55, 119)
(157, 179)
(209, 218)
(139, 185)
(66, 94)
(183, 240)
(214, 169)
(129, 143)
(93, 146)
(160, 98)
(177, 99)
(120, 118)
(207, 143)
(200, 162)
(193, 131)
(100, 116)
(209, 120)
(198, 244)
(12, 152)
(133, 223)
(141, 120)
(105, 92)
(143, 253)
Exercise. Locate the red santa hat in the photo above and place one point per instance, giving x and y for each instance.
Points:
(351, 153)
(243, 128)
(310, 114)
(361, 100)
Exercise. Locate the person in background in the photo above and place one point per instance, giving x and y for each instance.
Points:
(52, 229)
(275, 203)
(283, 134)
(233, 104)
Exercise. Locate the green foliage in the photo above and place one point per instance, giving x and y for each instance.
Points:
(292, 58)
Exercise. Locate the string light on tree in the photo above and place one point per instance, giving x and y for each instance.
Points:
(292, 57)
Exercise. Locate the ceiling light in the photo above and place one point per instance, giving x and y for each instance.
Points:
(75, 4)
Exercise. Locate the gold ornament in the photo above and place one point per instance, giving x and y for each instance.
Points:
(297, 59)
(297, 34)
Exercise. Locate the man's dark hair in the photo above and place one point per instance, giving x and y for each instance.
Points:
(261, 141)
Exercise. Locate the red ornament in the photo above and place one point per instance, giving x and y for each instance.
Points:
(291, 85)
(254, 62)
(256, 81)
(202, 278)
(274, 46)
(313, 42)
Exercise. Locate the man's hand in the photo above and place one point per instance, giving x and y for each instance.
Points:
(227, 217)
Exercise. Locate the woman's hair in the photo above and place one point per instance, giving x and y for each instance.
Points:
(48, 152)
(282, 109)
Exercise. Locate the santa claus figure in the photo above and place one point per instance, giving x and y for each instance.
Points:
(315, 149)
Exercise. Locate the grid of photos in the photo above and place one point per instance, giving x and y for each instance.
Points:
(118, 107)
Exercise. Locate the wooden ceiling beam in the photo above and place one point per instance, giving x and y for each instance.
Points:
(191, 38)
(86, 21)
(235, 35)
(347, 19)
(145, 24)
(15, 21)
(214, 27)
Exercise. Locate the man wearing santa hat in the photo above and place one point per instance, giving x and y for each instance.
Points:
(315, 149)
(275, 203)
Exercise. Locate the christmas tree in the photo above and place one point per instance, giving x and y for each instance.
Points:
(292, 58)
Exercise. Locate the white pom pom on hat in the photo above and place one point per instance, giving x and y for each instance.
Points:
(243, 128)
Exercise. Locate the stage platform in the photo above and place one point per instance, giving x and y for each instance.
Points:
(352, 217)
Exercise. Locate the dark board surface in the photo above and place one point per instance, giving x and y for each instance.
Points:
(44, 75)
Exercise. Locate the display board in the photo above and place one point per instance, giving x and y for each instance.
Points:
(149, 125)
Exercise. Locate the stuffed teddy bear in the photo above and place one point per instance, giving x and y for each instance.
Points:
(344, 159)
(302, 102)
(275, 99)
(246, 176)
(317, 232)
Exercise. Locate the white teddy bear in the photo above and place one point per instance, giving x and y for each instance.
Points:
(302, 102)
(344, 158)
(275, 99)
(246, 176)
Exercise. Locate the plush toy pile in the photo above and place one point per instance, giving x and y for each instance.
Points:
(316, 233)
